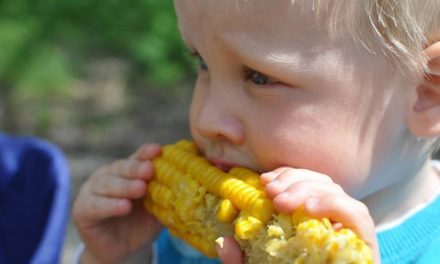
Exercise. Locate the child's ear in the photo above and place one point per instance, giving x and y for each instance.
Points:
(424, 117)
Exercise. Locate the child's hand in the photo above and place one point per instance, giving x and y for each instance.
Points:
(109, 213)
(321, 198)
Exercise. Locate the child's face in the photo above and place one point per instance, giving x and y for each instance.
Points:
(276, 90)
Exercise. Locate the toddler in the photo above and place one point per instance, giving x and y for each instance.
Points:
(335, 103)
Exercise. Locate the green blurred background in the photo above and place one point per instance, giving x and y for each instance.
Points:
(76, 68)
(98, 78)
(49, 47)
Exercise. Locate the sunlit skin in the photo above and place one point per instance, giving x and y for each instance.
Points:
(329, 125)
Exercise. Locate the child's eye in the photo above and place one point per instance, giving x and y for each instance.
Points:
(202, 64)
(260, 78)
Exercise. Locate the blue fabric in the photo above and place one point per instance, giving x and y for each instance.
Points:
(415, 241)
(34, 200)
(168, 253)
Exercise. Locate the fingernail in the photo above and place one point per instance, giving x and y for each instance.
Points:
(146, 151)
(268, 176)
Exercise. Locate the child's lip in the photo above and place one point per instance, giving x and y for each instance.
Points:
(222, 164)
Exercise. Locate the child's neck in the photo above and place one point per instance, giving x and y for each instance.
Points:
(396, 201)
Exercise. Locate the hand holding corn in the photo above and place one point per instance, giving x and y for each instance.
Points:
(200, 203)
(109, 213)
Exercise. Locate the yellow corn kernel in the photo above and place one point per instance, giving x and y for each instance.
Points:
(199, 203)
(248, 176)
(183, 206)
(187, 145)
(247, 226)
(299, 216)
(168, 218)
(226, 212)
(166, 173)
(161, 194)
(246, 197)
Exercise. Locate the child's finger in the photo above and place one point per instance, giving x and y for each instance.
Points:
(340, 208)
(281, 182)
(132, 168)
(287, 172)
(118, 187)
(295, 195)
(229, 251)
(96, 208)
(147, 152)
(267, 177)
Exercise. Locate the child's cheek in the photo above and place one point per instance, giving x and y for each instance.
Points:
(340, 162)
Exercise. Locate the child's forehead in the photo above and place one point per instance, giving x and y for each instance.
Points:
(246, 10)
(252, 17)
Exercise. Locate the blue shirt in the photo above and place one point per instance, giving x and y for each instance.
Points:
(416, 240)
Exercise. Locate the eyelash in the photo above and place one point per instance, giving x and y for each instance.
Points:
(202, 64)
(259, 78)
(256, 77)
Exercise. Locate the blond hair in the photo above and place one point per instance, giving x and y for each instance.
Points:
(399, 29)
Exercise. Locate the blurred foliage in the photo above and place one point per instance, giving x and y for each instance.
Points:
(46, 44)
(32, 33)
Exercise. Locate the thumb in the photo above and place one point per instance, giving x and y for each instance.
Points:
(229, 251)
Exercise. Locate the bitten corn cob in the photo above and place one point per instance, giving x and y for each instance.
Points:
(199, 203)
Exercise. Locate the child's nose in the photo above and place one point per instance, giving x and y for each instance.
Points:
(219, 118)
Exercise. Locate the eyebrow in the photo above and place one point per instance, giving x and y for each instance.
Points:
(281, 63)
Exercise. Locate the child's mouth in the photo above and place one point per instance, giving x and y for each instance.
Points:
(222, 165)
(224, 168)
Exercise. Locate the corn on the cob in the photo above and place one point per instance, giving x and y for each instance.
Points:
(199, 203)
